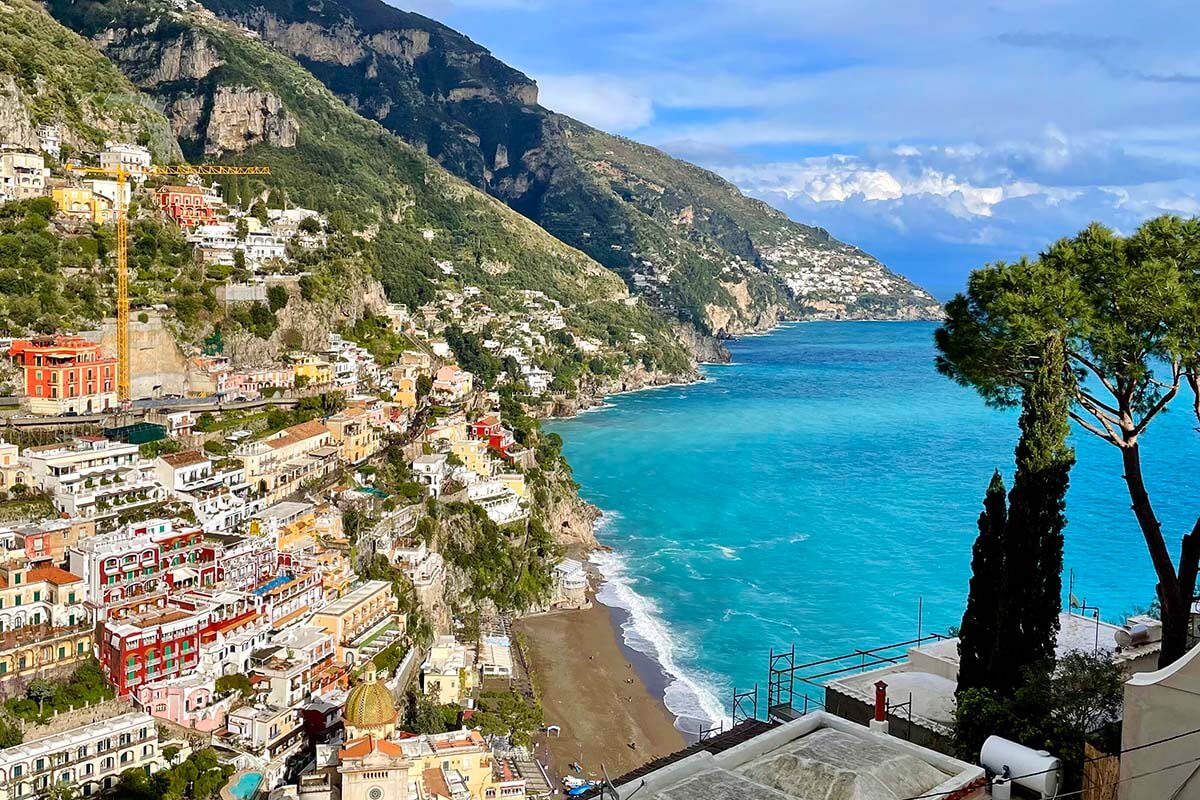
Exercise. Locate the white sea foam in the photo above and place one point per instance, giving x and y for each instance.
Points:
(688, 695)
(593, 409)
(730, 553)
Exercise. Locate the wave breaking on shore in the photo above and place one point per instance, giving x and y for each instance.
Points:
(689, 697)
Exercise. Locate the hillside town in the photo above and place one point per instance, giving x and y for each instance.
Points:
(253, 566)
(280, 518)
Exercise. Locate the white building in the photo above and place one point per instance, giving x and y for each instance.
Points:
(109, 190)
(274, 732)
(570, 584)
(501, 503)
(816, 756)
(430, 471)
(90, 758)
(495, 657)
(50, 139)
(22, 175)
(133, 158)
(218, 499)
(93, 476)
(537, 379)
(262, 246)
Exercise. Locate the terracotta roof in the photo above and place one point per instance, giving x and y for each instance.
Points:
(435, 782)
(181, 189)
(53, 575)
(488, 422)
(359, 748)
(185, 458)
(297, 433)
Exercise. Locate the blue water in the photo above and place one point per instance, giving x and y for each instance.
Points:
(820, 487)
(246, 785)
(271, 584)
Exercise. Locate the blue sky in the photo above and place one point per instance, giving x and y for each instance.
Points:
(937, 135)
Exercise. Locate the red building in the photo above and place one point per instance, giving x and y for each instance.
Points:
(189, 206)
(499, 438)
(151, 647)
(134, 570)
(65, 374)
(165, 643)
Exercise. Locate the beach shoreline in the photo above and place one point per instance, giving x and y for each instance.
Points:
(606, 698)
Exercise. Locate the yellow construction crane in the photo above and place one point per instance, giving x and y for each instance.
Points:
(122, 175)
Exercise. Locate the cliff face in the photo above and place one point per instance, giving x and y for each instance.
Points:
(211, 110)
(687, 241)
(48, 75)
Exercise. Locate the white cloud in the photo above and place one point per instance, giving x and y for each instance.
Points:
(836, 179)
(599, 100)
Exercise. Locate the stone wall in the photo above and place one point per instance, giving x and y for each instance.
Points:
(66, 720)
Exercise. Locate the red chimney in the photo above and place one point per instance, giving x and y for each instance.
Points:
(880, 701)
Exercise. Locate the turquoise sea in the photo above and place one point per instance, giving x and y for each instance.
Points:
(816, 490)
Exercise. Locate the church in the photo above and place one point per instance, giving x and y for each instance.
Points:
(377, 762)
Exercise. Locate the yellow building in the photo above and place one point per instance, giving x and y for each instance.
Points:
(448, 673)
(514, 482)
(42, 595)
(474, 455)
(80, 202)
(357, 439)
(12, 469)
(357, 617)
(405, 377)
(336, 575)
(278, 465)
(36, 649)
(313, 371)
(292, 525)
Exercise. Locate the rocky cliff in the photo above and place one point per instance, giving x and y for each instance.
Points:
(687, 241)
(49, 76)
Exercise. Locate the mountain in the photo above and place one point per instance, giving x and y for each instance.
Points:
(681, 236)
(49, 75)
(397, 216)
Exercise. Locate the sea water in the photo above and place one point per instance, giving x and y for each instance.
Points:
(820, 489)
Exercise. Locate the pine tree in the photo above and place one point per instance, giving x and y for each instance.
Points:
(977, 635)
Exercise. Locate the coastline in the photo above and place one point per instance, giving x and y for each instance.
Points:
(606, 699)
(628, 617)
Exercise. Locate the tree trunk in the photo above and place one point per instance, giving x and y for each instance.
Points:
(1175, 590)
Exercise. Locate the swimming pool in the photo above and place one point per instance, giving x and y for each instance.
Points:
(271, 584)
(246, 785)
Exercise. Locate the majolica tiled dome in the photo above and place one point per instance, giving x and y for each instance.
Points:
(370, 708)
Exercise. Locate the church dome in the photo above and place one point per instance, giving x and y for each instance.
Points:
(370, 707)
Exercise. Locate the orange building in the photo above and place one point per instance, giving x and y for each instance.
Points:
(65, 374)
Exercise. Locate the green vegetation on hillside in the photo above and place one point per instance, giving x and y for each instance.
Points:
(512, 568)
(631, 207)
(61, 80)
(416, 221)
(51, 280)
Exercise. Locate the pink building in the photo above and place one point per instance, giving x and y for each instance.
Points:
(190, 701)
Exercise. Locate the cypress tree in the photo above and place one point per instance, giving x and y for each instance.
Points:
(1010, 626)
(1036, 518)
(977, 635)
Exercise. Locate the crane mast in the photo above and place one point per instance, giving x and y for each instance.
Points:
(122, 175)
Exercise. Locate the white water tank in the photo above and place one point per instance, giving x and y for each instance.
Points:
(1031, 769)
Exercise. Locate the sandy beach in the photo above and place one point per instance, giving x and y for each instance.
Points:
(591, 688)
